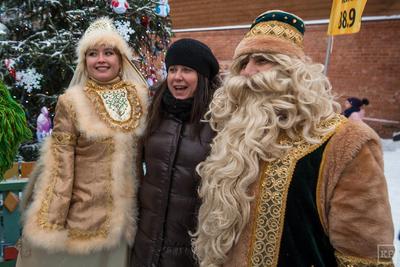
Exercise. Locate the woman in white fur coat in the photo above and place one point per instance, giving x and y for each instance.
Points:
(80, 204)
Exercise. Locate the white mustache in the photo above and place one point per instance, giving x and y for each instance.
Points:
(259, 82)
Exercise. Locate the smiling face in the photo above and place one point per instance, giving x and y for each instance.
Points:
(182, 81)
(103, 63)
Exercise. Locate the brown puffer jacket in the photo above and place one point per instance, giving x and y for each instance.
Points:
(168, 195)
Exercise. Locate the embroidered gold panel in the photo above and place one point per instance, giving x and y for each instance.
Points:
(44, 212)
(63, 139)
(271, 199)
(118, 105)
(104, 229)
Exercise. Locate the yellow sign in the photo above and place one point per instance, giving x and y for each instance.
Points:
(346, 16)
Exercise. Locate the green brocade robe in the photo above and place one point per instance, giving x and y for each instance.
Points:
(302, 224)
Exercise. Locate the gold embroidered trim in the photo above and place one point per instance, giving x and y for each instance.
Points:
(104, 229)
(350, 261)
(58, 138)
(43, 215)
(63, 138)
(277, 29)
(271, 200)
(72, 113)
(118, 104)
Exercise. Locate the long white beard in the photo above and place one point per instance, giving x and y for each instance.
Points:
(249, 115)
(247, 131)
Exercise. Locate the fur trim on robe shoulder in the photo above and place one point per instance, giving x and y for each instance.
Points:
(143, 95)
(352, 195)
(341, 149)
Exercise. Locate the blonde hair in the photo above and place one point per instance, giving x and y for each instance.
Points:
(249, 115)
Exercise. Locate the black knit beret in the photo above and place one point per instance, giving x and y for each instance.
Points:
(194, 54)
(356, 102)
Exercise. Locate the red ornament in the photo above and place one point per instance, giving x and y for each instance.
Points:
(12, 73)
(9, 63)
(145, 21)
(119, 6)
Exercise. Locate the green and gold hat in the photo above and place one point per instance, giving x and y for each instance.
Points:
(274, 31)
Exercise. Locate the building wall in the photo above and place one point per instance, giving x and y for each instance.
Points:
(207, 13)
(366, 64)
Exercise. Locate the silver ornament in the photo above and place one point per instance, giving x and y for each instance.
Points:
(4, 32)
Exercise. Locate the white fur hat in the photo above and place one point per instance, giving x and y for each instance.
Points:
(103, 32)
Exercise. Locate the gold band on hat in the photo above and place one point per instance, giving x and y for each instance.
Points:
(277, 29)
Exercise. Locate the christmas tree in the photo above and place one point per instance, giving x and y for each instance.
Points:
(13, 127)
(38, 40)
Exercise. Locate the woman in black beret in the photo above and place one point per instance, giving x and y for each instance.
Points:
(176, 140)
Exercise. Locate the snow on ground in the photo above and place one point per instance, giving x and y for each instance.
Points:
(391, 154)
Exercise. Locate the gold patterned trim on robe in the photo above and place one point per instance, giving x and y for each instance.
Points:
(104, 229)
(118, 104)
(58, 138)
(62, 138)
(350, 261)
(271, 200)
(43, 215)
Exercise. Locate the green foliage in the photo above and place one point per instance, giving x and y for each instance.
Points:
(13, 129)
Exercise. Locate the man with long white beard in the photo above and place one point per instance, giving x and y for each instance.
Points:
(289, 181)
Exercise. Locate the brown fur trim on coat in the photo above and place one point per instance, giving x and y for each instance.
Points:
(353, 197)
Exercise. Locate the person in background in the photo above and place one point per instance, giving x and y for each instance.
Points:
(354, 108)
(80, 205)
(176, 141)
(43, 124)
(289, 181)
